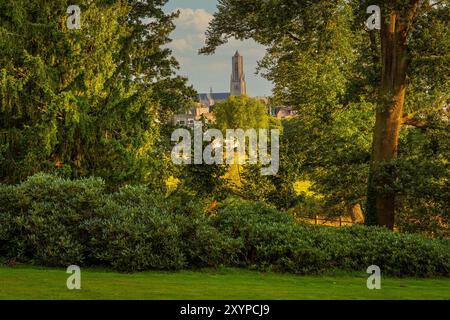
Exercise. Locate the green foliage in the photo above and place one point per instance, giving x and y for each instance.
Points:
(88, 100)
(203, 180)
(256, 187)
(241, 112)
(134, 238)
(246, 113)
(423, 182)
(334, 156)
(321, 56)
(323, 62)
(277, 190)
(41, 218)
(56, 222)
(204, 246)
(270, 240)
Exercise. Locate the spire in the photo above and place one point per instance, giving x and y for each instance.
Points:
(237, 54)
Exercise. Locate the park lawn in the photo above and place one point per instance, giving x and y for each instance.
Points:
(26, 282)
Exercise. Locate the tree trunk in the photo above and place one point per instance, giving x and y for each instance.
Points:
(380, 204)
(357, 214)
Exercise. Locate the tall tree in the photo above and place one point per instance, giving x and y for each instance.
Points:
(404, 22)
(88, 101)
(323, 42)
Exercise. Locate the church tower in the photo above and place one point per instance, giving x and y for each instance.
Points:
(238, 86)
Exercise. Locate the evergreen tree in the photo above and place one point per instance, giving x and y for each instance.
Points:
(88, 101)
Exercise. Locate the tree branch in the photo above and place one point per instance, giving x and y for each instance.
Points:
(409, 121)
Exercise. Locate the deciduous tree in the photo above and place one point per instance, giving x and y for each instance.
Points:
(322, 57)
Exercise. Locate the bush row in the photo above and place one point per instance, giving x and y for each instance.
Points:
(55, 222)
(272, 240)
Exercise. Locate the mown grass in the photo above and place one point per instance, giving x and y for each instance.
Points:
(47, 284)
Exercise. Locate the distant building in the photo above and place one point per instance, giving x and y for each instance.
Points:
(283, 112)
(238, 87)
(194, 114)
(208, 100)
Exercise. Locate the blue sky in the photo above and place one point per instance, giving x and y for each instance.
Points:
(211, 71)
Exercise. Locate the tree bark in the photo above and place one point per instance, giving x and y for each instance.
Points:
(357, 214)
(394, 33)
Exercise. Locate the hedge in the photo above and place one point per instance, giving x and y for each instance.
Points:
(51, 221)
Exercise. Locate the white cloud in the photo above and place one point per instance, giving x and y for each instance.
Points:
(189, 35)
(181, 45)
(212, 70)
(194, 18)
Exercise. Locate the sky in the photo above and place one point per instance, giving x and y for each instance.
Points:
(205, 71)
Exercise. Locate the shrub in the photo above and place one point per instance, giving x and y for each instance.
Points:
(204, 245)
(190, 240)
(134, 238)
(9, 202)
(271, 240)
(395, 253)
(56, 222)
(41, 218)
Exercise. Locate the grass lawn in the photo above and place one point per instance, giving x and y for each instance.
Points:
(43, 283)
